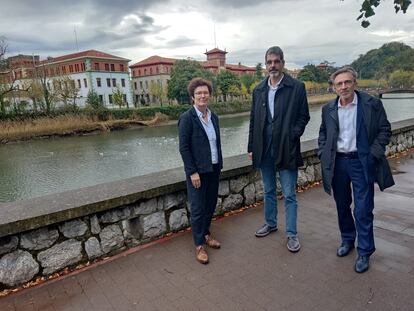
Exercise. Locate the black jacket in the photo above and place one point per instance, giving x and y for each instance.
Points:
(194, 145)
(378, 130)
(289, 122)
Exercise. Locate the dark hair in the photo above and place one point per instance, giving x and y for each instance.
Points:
(195, 83)
(274, 50)
(344, 69)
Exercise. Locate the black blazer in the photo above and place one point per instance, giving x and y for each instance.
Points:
(194, 145)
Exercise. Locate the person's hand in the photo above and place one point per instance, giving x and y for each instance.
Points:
(195, 180)
(250, 156)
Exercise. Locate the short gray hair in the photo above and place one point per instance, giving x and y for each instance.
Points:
(344, 69)
(274, 50)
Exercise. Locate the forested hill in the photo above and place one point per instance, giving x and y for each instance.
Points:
(380, 63)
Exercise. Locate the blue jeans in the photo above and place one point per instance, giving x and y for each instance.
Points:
(288, 179)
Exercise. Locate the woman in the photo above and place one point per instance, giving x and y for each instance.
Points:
(200, 150)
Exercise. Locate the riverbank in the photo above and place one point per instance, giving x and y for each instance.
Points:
(78, 125)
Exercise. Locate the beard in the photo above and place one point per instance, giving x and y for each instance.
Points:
(274, 74)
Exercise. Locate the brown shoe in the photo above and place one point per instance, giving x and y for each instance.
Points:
(212, 242)
(201, 255)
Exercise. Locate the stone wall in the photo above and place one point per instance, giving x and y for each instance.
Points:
(45, 235)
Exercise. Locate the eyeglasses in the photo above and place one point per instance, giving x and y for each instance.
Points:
(345, 83)
(275, 61)
(201, 93)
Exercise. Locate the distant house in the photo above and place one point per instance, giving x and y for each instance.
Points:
(157, 69)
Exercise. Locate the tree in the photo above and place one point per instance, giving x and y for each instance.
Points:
(8, 79)
(93, 101)
(247, 80)
(312, 73)
(181, 74)
(225, 81)
(67, 90)
(368, 6)
(49, 96)
(259, 72)
(158, 91)
(118, 97)
(401, 79)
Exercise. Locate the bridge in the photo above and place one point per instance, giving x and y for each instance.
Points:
(381, 92)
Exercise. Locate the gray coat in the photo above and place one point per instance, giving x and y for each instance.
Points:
(379, 133)
(290, 118)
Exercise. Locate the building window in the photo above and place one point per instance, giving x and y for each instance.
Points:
(124, 98)
(146, 85)
(139, 72)
(106, 67)
(157, 70)
(101, 99)
(63, 69)
(121, 67)
(77, 67)
(136, 98)
(52, 72)
(113, 82)
(48, 85)
(123, 82)
(98, 82)
(79, 83)
(150, 71)
(70, 68)
(135, 85)
(110, 98)
(145, 71)
(140, 85)
(96, 66)
(83, 66)
(85, 83)
(112, 67)
(108, 82)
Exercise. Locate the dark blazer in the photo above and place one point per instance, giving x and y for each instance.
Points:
(290, 118)
(378, 130)
(194, 145)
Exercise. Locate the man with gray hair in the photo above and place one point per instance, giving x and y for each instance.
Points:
(352, 139)
(278, 118)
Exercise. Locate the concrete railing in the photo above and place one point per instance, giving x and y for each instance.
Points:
(44, 235)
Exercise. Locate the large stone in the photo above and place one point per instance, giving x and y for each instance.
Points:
(146, 207)
(132, 229)
(60, 256)
(95, 227)
(74, 228)
(115, 215)
(39, 239)
(219, 207)
(8, 244)
(310, 173)
(154, 225)
(258, 185)
(232, 202)
(224, 188)
(111, 238)
(93, 248)
(17, 267)
(174, 200)
(302, 180)
(249, 194)
(178, 219)
(237, 185)
(318, 172)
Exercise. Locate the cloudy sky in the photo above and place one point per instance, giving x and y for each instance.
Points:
(309, 31)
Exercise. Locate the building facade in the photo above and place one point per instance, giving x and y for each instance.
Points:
(150, 76)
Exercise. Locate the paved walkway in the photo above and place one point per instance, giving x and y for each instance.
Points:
(254, 274)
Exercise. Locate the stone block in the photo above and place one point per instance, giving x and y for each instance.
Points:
(95, 227)
(249, 194)
(38, 239)
(237, 185)
(17, 267)
(111, 238)
(115, 215)
(93, 248)
(178, 219)
(233, 201)
(219, 207)
(224, 188)
(146, 207)
(154, 225)
(8, 244)
(258, 185)
(74, 228)
(60, 256)
(132, 229)
(174, 200)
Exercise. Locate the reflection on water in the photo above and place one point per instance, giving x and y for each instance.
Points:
(36, 168)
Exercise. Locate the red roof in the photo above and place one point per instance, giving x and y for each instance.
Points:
(215, 50)
(84, 54)
(154, 60)
(240, 67)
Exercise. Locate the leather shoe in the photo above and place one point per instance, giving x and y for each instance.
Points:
(201, 255)
(344, 249)
(213, 243)
(362, 264)
(264, 230)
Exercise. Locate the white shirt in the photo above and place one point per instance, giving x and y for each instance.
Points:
(347, 116)
(271, 95)
(211, 134)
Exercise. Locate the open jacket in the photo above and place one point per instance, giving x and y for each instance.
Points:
(290, 118)
(194, 145)
(378, 130)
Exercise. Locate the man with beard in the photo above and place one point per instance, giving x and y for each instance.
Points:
(278, 118)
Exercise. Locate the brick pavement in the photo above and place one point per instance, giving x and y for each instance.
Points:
(254, 274)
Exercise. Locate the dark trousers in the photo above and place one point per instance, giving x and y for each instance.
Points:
(203, 202)
(350, 171)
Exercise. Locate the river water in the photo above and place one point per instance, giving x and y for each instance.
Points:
(35, 168)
